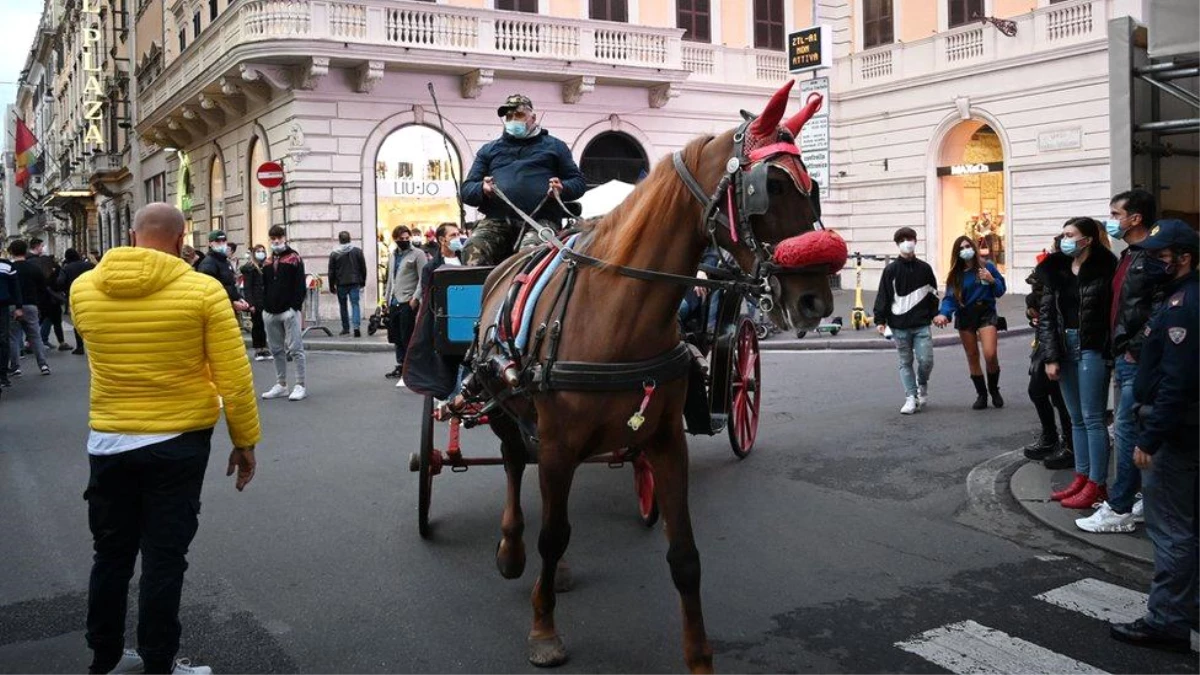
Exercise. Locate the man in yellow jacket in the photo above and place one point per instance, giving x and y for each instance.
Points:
(163, 345)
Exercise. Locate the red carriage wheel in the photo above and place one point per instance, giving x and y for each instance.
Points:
(643, 484)
(425, 469)
(744, 390)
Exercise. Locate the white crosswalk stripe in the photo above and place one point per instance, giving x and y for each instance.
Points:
(968, 647)
(1099, 600)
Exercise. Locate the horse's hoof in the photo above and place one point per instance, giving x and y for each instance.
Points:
(510, 560)
(562, 578)
(547, 652)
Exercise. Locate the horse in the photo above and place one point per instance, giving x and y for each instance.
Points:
(618, 317)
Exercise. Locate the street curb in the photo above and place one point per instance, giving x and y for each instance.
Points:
(363, 346)
(1030, 486)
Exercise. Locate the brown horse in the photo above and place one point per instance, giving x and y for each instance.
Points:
(617, 319)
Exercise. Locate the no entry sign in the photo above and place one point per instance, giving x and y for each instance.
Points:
(270, 175)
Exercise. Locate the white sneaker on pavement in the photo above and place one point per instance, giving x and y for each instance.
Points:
(130, 662)
(400, 383)
(910, 406)
(185, 667)
(1105, 521)
(299, 393)
(922, 395)
(1138, 512)
(278, 391)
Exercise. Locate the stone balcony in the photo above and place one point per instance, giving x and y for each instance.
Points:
(258, 47)
(1045, 30)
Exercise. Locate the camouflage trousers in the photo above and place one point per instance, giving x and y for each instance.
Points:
(495, 239)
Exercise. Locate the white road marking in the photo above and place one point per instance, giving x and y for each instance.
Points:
(1099, 600)
(1050, 558)
(968, 647)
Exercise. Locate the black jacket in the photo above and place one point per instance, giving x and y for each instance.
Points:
(1134, 305)
(34, 288)
(72, 271)
(1166, 385)
(347, 268)
(284, 285)
(1095, 302)
(216, 265)
(10, 290)
(907, 295)
(252, 281)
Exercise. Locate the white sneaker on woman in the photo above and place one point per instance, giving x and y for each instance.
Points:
(131, 662)
(299, 393)
(278, 391)
(910, 406)
(186, 667)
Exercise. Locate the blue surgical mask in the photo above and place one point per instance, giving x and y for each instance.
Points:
(515, 128)
(457, 243)
(966, 253)
(1071, 247)
(260, 256)
(278, 248)
(1113, 227)
(220, 248)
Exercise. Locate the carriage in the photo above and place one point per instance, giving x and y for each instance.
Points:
(723, 389)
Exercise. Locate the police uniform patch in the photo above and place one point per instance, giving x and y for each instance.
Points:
(1146, 330)
(1177, 334)
(1177, 299)
(1154, 231)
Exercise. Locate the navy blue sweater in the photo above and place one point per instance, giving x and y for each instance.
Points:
(522, 168)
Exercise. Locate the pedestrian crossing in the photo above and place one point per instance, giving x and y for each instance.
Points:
(970, 647)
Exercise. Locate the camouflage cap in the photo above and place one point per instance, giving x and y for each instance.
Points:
(512, 103)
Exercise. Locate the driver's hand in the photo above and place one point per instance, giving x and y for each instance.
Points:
(555, 185)
(489, 185)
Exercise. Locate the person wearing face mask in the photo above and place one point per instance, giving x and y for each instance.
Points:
(906, 303)
(252, 280)
(1167, 396)
(284, 290)
(216, 265)
(404, 276)
(1076, 352)
(1046, 396)
(972, 287)
(527, 164)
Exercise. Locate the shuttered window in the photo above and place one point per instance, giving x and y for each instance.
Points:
(530, 6)
(963, 12)
(878, 28)
(694, 17)
(609, 10)
(768, 24)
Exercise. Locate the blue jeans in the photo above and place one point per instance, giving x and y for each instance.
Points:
(1083, 378)
(914, 342)
(1171, 521)
(1125, 487)
(355, 316)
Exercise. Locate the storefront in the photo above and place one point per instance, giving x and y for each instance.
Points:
(972, 190)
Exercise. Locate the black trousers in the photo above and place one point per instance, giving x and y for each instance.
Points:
(145, 500)
(5, 319)
(1047, 399)
(258, 332)
(403, 320)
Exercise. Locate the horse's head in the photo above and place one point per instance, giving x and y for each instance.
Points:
(771, 209)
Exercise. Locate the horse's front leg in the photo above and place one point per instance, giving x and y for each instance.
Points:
(668, 455)
(510, 552)
(556, 471)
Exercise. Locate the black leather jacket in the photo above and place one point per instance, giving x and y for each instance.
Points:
(1135, 304)
(1095, 302)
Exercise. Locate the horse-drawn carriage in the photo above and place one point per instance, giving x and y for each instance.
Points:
(574, 354)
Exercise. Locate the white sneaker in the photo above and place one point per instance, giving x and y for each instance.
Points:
(185, 667)
(278, 391)
(299, 393)
(922, 395)
(400, 384)
(1138, 512)
(130, 662)
(910, 406)
(1105, 520)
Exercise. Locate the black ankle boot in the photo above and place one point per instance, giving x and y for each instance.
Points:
(1045, 445)
(1063, 458)
(993, 385)
(981, 393)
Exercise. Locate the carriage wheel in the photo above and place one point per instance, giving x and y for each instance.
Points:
(643, 484)
(425, 469)
(744, 391)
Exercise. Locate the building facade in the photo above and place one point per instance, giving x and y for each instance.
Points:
(343, 95)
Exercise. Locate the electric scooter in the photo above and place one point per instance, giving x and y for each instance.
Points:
(858, 316)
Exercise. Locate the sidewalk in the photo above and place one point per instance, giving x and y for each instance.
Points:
(1031, 485)
(1012, 307)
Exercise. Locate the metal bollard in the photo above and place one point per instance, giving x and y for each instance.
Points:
(312, 308)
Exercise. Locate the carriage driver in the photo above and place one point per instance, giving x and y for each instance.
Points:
(528, 164)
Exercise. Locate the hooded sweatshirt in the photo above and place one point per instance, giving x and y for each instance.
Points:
(163, 344)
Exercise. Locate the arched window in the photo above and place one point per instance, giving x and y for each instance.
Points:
(613, 156)
(216, 193)
(259, 208)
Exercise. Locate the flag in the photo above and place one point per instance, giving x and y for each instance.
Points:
(26, 142)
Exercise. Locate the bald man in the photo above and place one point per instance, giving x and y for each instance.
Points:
(163, 345)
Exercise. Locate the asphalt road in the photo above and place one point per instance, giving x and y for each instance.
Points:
(848, 534)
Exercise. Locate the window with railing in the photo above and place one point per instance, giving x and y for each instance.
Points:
(878, 26)
(963, 12)
(695, 18)
(768, 24)
(609, 10)
(530, 6)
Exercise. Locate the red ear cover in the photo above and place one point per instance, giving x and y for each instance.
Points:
(822, 247)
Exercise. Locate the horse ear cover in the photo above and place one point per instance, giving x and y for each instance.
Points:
(822, 247)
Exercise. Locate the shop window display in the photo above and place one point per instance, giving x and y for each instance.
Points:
(973, 192)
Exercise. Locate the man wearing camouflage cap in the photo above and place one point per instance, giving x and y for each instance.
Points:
(216, 265)
(527, 164)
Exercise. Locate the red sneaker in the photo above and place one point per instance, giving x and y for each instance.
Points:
(1084, 498)
(1069, 491)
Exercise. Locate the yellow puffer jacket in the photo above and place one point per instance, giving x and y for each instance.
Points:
(162, 343)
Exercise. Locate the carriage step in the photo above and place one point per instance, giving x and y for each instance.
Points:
(414, 462)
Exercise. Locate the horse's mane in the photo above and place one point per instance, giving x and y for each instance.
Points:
(619, 234)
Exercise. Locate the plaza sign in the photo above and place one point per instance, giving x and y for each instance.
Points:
(93, 93)
(809, 49)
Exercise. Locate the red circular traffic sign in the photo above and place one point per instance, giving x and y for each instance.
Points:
(270, 175)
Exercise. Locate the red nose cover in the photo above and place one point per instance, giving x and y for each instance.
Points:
(822, 247)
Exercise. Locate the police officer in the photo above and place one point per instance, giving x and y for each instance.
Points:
(1168, 439)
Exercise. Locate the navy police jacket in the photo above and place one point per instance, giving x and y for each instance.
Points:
(1166, 384)
(522, 168)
